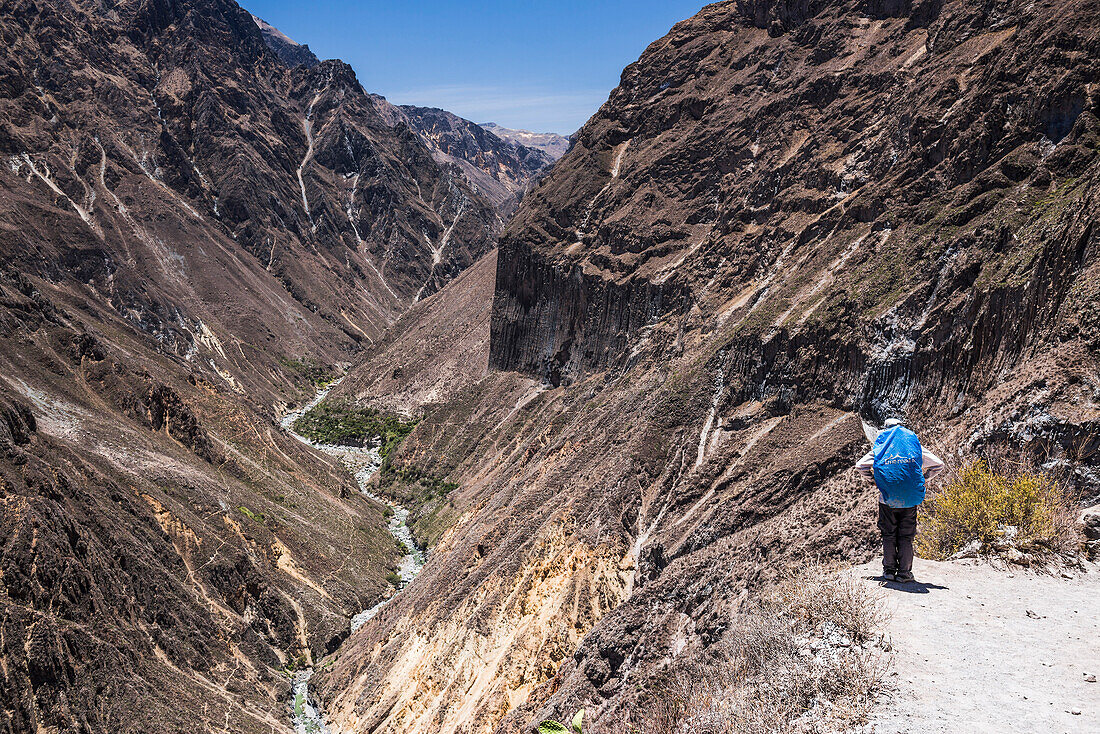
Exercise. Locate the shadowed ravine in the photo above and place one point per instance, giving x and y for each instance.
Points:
(364, 463)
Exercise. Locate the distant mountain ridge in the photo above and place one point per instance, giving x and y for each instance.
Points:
(501, 168)
(552, 144)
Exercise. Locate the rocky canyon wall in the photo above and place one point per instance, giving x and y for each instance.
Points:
(788, 216)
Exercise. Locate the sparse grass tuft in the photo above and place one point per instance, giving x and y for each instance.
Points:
(1006, 511)
(807, 659)
(818, 597)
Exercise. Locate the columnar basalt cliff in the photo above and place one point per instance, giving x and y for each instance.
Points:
(787, 216)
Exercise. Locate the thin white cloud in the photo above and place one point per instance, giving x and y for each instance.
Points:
(541, 112)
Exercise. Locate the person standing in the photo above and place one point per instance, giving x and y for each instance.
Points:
(899, 466)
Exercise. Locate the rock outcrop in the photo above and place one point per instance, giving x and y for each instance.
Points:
(290, 51)
(787, 216)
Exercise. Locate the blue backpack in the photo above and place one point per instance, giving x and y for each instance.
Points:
(898, 467)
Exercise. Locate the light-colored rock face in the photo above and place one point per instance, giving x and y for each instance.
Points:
(464, 671)
(777, 224)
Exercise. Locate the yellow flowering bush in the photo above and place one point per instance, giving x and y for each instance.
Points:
(1020, 509)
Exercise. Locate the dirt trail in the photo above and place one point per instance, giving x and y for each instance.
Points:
(984, 650)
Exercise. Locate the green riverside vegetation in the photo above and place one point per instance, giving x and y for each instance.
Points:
(306, 370)
(346, 425)
(433, 485)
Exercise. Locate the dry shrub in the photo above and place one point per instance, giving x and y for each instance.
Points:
(1004, 510)
(817, 596)
(804, 661)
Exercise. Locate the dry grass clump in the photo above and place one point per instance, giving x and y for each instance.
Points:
(1008, 510)
(821, 597)
(807, 660)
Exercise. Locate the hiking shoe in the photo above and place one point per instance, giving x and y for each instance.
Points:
(889, 574)
(904, 577)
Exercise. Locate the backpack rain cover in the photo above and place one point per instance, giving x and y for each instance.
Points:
(898, 464)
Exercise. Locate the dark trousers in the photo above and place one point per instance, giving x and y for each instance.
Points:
(898, 526)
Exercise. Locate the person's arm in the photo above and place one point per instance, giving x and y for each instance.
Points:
(931, 464)
(866, 466)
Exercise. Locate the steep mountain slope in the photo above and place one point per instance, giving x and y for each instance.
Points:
(193, 234)
(165, 549)
(552, 144)
(786, 217)
(290, 51)
(438, 348)
(293, 168)
(500, 169)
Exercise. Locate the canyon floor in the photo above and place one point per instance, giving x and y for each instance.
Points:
(980, 649)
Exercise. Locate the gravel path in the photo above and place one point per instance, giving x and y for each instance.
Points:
(984, 650)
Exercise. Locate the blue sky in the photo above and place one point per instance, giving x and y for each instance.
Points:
(540, 65)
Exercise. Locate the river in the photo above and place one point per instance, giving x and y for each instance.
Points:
(363, 463)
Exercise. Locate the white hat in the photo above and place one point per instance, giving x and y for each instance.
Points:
(891, 422)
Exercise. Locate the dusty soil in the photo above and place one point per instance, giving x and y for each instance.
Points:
(987, 650)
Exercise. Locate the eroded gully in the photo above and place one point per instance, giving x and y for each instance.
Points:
(363, 463)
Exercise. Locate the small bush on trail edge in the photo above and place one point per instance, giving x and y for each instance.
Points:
(549, 726)
(345, 425)
(1008, 511)
(808, 658)
(394, 579)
